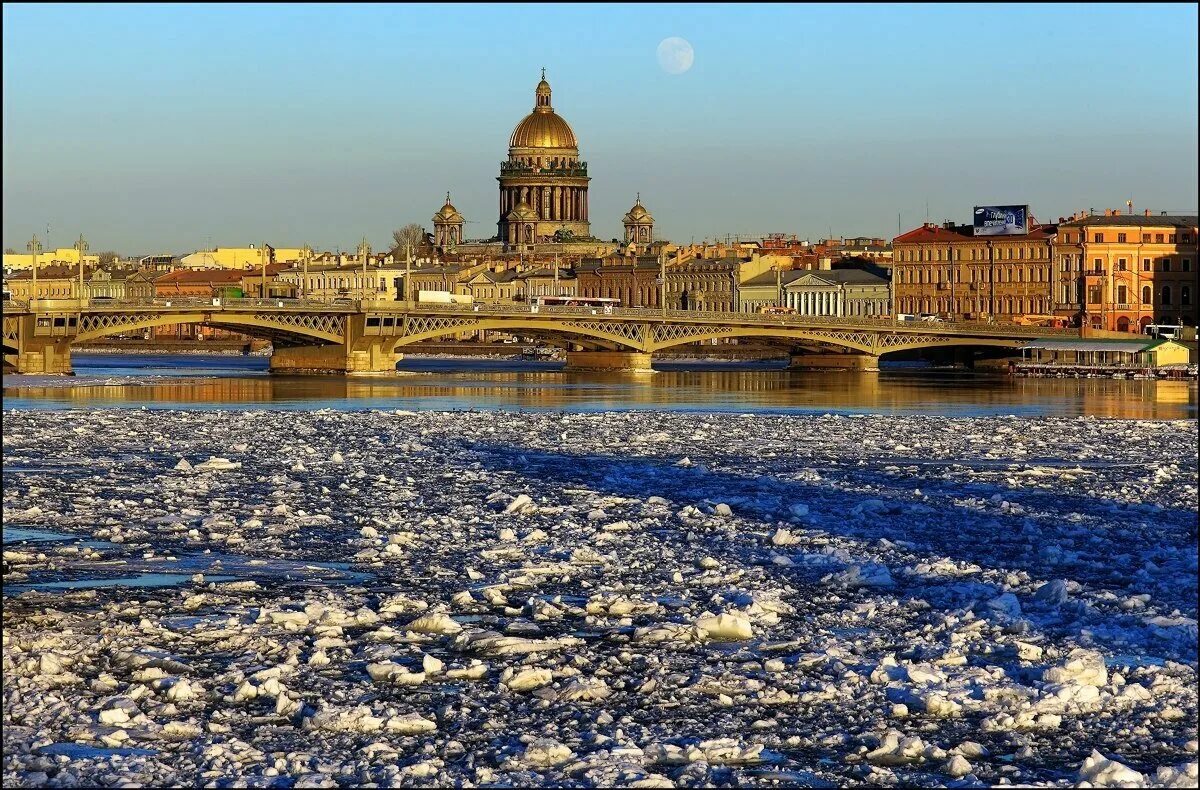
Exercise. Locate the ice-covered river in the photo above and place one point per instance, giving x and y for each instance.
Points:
(487, 575)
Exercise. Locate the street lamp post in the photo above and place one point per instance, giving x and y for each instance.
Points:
(262, 256)
(408, 273)
(662, 279)
(305, 257)
(34, 246)
(779, 301)
(82, 246)
(364, 251)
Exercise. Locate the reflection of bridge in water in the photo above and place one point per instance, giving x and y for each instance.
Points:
(365, 337)
(891, 391)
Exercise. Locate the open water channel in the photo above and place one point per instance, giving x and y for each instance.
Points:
(223, 382)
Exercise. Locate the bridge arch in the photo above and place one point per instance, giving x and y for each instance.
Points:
(851, 341)
(622, 336)
(296, 328)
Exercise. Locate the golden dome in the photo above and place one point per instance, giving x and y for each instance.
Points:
(448, 213)
(638, 214)
(543, 128)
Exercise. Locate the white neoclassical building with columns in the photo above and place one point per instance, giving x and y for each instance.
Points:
(839, 293)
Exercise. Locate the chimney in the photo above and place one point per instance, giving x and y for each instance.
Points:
(1108, 212)
(1116, 212)
(1147, 212)
(948, 224)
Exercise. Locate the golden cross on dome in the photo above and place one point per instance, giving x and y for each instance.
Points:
(543, 72)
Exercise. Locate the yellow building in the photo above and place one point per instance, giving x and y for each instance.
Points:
(53, 282)
(325, 283)
(225, 258)
(239, 257)
(21, 261)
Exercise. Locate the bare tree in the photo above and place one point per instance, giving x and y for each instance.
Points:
(9, 251)
(412, 233)
(108, 258)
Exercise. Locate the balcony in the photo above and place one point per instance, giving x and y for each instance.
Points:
(578, 170)
(1096, 273)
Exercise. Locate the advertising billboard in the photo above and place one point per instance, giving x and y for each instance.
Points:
(1001, 220)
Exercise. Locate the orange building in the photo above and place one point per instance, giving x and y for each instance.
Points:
(1121, 272)
(948, 270)
(197, 284)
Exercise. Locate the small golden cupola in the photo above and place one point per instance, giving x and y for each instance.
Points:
(448, 225)
(639, 224)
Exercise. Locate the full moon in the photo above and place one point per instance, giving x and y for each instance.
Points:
(675, 55)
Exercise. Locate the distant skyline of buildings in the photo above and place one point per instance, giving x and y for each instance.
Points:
(853, 134)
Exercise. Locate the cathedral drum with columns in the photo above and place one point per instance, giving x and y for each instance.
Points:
(543, 185)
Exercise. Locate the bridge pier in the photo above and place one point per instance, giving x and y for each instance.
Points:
(834, 361)
(43, 356)
(608, 360)
(373, 359)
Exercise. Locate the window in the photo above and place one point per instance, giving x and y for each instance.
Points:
(1122, 295)
(1120, 238)
(1158, 238)
(1121, 264)
(1098, 238)
(1166, 294)
(1145, 238)
(1185, 295)
(1145, 264)
(1099, 266)
(1171, 239)
(1166, 264)
(1186, 265)
(1146, 294)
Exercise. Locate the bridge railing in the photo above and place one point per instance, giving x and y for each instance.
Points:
(300, 305)
(629, 313)
(642, 313)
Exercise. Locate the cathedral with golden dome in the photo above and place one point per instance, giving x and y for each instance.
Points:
(543, 205)
(543, 184)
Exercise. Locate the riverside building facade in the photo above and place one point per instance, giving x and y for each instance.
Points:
(947, 270)
(1120, 272)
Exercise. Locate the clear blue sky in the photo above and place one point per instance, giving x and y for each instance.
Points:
(169, 127)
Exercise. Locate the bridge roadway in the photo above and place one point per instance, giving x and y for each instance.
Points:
(365, 336)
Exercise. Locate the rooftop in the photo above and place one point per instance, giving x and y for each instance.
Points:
(185, 276)
(952, 233)
(844, 276)
(1135, 220)
(768, 278)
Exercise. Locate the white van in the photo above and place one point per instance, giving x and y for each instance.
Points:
(905, 317)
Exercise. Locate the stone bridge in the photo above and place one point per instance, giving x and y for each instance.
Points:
(366, 336)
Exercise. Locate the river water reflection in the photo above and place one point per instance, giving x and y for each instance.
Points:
(169, 381)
